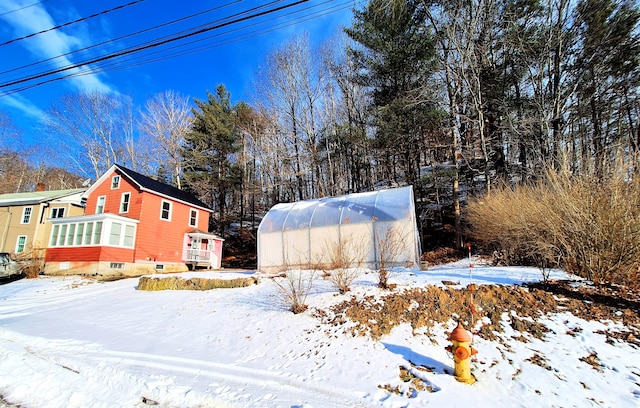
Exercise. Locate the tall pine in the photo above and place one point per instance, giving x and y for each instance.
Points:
(211, 170)
(395, 58)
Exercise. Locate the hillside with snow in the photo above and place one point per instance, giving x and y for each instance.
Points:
(74, 342)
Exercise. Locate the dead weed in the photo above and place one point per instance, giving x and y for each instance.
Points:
(519, 306)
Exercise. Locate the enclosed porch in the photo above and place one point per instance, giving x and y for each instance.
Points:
(202, 250)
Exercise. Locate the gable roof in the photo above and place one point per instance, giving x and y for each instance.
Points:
(145, 183)
(37, 197)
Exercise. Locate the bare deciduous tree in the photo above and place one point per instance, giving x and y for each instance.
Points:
(292, 87)
(96, 129)
(163, 124)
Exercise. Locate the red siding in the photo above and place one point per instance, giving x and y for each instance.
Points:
(156, 239)
(114, 197)
(160, 239)
(82, 254)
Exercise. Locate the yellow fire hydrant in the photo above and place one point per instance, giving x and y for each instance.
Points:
(462, 352)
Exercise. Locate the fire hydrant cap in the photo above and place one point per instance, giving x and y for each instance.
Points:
(460, 334)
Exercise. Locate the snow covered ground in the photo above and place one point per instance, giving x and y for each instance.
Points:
(71, 342)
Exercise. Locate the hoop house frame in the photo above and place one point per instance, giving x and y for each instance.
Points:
(299, 235)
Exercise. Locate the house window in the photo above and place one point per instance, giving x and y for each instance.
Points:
(57, 212)
(26, 215)
(165, 212)
(193, 218)
(79, 233)
(129, 235)
(97, 233)
(114, 236)
(124, 202)
(159, 267)
(71, 232)
(21, 244)
(88, 232)
(115, 182)
(63, 233)
(54, 235)
(107, 232)
(116, 265)
(100, 204)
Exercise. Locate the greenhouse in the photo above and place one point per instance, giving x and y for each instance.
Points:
(370, 230)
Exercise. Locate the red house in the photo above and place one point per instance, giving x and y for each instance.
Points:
(133, 225)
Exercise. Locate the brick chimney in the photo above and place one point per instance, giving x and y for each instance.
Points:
(41, 187)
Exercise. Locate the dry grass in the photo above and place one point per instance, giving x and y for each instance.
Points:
(177, 283)
(587, 227)
(345, 258)
(390, 243)
(293, 287)
(31, 262)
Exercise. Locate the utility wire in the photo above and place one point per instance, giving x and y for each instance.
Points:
(119, 38)
(116, 65)
(128, 62)
(154, 43)
(72, 22)
(22, 8)
(147, 46)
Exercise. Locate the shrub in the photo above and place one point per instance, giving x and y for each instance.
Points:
(31, 262)
(587, 227)
(294, 286)
(390, 243)
(345, 257)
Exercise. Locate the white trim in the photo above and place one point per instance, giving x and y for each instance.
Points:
(196, 217)
(104, 204)
(115, 168)
(24, 244)
(64, 233)
(162, 210)
(128, 195)
(57, 210)
(93, 217)
(99, 182)
(115, 182)
(24, 214)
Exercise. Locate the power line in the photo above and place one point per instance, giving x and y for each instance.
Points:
(120, 38)
(71, 22)
(122, 59)
(22, 8)
(115, 65)
(149, 45)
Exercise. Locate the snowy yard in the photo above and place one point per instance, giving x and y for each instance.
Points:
(72, 342)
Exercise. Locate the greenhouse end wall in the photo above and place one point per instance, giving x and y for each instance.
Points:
(371, 229)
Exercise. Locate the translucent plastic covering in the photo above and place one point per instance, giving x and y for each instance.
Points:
(306, 233)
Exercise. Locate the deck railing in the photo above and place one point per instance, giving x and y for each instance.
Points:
(198, 255)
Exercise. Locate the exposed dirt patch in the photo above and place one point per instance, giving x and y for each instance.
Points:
(520, 306)
(441, 256)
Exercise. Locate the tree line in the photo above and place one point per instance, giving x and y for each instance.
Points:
(453, 97)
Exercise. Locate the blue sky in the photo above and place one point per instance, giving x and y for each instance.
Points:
(229, 55)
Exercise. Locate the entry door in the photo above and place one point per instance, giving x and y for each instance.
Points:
(195, 248)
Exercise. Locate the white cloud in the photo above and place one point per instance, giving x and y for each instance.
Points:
(33, 19)
(15, 101)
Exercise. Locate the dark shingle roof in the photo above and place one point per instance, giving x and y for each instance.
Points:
(147, 183)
